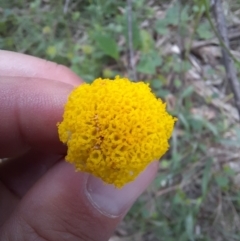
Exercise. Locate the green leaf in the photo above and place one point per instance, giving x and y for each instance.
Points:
(204, 31)
(3, 27)
(187, 92)
(189, 222)
(181, 67)
(161, 27)
(229, 171)
(165, 163)
(75, 16)
(147, 41)
(149, 62)
(51, 51)
(196, 124)
(146, 67)
(156, 83)
(108, 45)
(183, 120)
(211, 127)
(161, 93)
(177, 83)
(222, 181)
(172, 15)
(87, 49)
(175, 15)
(206, 176)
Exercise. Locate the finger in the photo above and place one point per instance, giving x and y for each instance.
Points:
(72, 206)
(17, 64)
(30, 110)
(7, 203)
(20, 174)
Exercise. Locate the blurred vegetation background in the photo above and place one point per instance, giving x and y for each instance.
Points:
(196, 195)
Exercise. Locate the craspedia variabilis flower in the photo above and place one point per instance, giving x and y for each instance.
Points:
(114, 129)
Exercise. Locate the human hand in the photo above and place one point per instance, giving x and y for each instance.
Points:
(42, 197)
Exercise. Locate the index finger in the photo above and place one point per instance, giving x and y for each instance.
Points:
(17, 64)
(30, 109)
(32, 95)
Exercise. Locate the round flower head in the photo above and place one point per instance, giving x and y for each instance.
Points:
(114, 129)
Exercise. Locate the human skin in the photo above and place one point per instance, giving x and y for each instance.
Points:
(41, 196)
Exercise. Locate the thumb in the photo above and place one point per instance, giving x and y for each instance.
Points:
(68, 205)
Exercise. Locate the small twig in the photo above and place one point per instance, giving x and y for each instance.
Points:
(219, 208)
(213, 41)
(131, 62)
(180, 37)
(195, 24)
(221, 42)
(182, 46)
(65, 8)
(173, 188)
(227, 60)
(181, 185)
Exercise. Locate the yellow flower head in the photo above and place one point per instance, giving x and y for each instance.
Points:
(114, 129)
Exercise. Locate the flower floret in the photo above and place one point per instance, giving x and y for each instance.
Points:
(114, 129)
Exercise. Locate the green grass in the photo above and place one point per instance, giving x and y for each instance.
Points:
(194, 196)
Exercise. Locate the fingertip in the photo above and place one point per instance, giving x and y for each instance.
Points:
(18, 64)
(30, 110)
(114, 202)
(62, 203)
